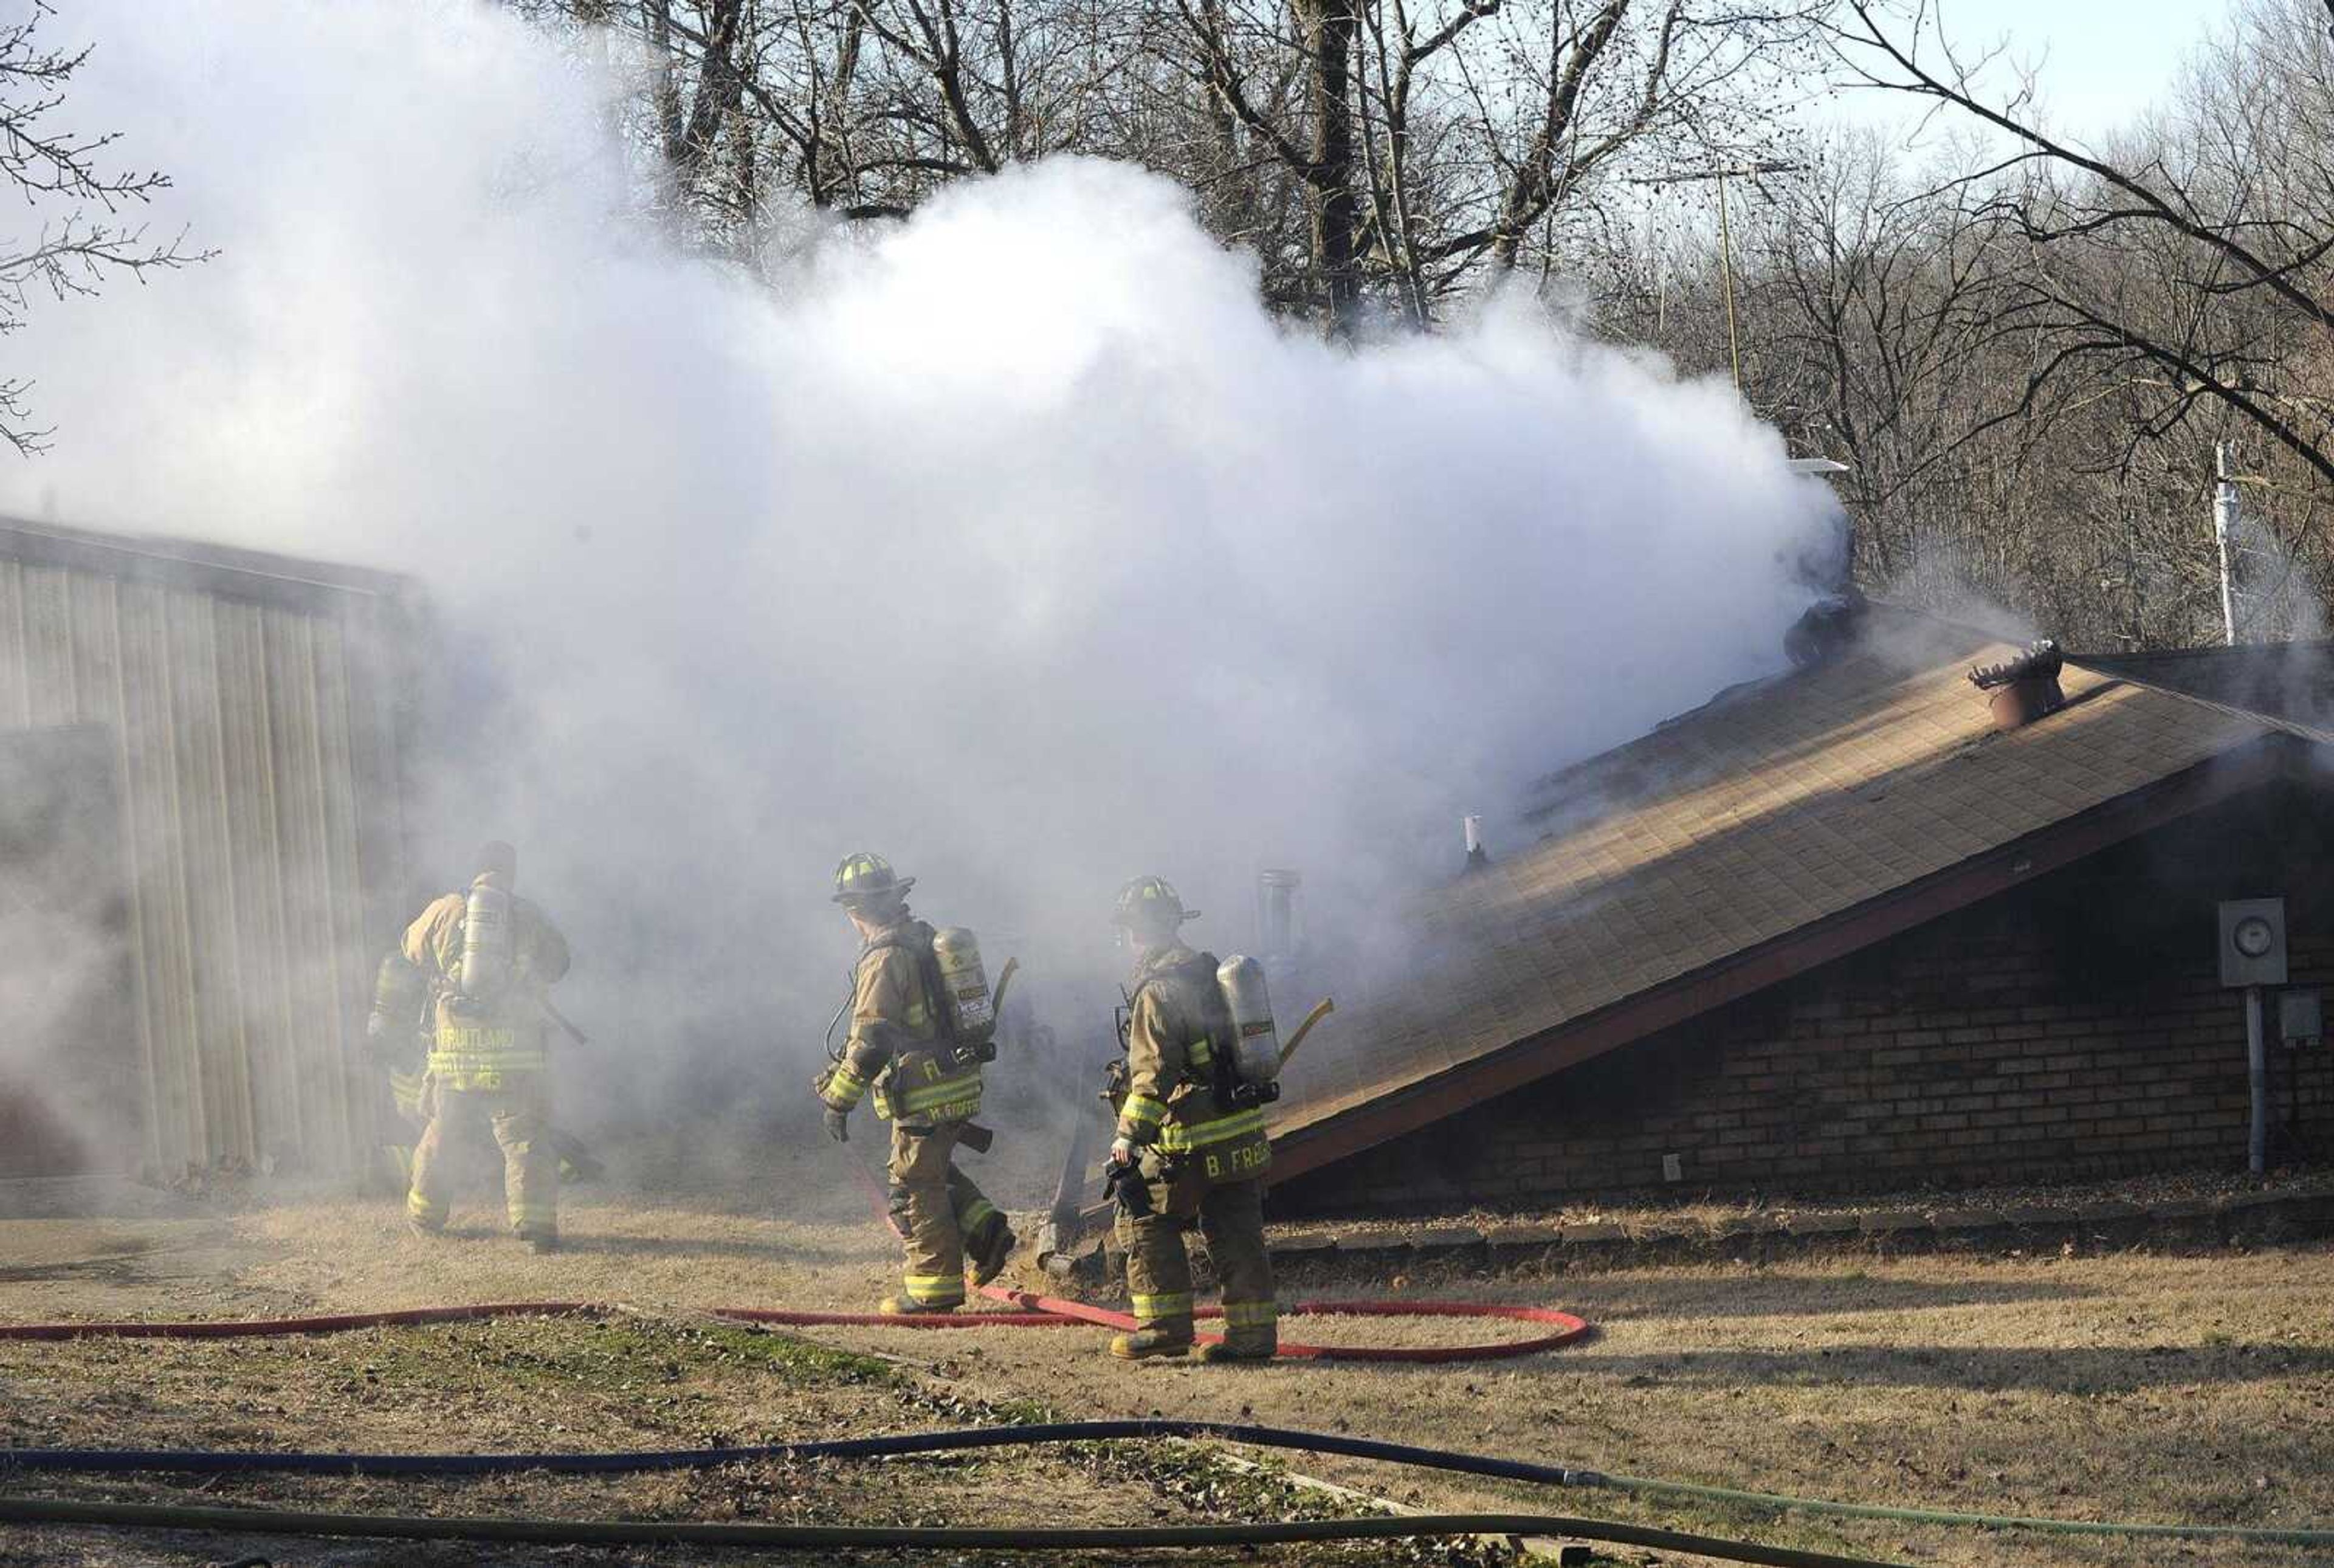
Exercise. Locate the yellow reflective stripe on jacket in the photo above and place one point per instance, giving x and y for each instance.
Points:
(946, 1100)
(1186, 1135)
(443, 1062)
(480, 1056)
(1141, 1114)
(958, 1086)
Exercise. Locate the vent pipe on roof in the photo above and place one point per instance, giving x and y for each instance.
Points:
(2021, 689)
(1276, 936)
(1473, 828)
(1827, 628)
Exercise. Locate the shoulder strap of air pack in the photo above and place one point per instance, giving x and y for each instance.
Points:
(1197, 972)
(916, 936)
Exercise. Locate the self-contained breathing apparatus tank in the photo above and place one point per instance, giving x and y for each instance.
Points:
(489, 943)
(970, 1016)
(1255, 1041)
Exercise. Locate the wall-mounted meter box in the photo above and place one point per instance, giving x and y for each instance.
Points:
(2300, 1016)
(2253, 942)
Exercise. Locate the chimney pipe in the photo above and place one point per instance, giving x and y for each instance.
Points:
(1473, 828)
(2023, 688)
(1276, 936)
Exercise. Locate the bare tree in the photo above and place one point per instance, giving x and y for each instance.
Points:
(1371, 152)
(2195, 254)
(76, 199)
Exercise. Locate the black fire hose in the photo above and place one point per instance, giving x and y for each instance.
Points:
(233, 1461)
(880, 1538)
(894, 1445)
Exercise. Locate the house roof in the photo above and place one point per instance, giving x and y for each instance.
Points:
(2292, 682)
(1784, 824)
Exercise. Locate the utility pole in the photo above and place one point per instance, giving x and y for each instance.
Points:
(1725, 234)
(2224, 527)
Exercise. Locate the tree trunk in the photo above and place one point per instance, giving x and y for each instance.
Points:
(1329, 34)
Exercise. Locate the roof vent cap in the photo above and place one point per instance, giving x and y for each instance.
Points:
(2020, 689)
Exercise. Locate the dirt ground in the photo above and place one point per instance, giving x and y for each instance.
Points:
(2134, 1387)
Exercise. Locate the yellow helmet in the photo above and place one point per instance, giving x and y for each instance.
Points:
(868, 879)
(1149, 900)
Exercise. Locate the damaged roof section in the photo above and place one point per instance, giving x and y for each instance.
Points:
(1784, 824)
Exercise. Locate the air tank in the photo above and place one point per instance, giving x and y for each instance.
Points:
(964, 985)
(1256, 1044)
(489, 942)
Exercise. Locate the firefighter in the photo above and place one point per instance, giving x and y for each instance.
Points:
(486, 957)
(1198, 1161)
(398, 1034)
(927, 1084)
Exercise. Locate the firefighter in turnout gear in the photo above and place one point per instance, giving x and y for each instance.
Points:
(487, 958)
(1199, 1161)
(927, 1084)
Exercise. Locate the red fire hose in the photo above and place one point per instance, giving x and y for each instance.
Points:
(1037, 1312)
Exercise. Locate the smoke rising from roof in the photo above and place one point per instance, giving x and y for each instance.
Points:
(1017, 542)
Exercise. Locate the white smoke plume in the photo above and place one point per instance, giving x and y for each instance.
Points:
(1017, 542)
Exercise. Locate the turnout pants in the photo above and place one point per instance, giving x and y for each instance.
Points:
(938, 1211)
(519, 1116)
(1231, 1219)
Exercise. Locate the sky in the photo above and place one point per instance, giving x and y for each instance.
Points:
(2101, 62)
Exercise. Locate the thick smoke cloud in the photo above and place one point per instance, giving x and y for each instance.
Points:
(1017, 542)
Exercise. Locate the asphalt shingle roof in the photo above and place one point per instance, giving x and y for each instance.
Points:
(1776, 805)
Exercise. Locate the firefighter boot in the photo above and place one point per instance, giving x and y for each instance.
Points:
(1229, 1349)
(1147, 1344)
(904, 1305)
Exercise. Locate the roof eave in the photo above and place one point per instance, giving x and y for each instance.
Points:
(253, 574)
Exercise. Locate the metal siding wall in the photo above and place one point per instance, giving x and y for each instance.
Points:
(159, 878)
(350, 967)
(258, 774)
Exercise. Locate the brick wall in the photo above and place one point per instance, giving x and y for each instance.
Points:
(2072, 1028)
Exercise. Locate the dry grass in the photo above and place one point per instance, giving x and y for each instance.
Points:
(2191, 1389)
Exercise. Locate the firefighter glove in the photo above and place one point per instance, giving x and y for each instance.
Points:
(1121, 1153)
(838, 1125)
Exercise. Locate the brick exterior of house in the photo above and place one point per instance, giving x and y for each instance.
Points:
(2072, 1028)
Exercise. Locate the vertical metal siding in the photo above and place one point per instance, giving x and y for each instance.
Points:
(258, 759)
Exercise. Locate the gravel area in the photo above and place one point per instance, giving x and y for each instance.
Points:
(1637, 1210)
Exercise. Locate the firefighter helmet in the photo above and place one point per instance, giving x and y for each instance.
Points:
(1150, 901)
(868, 879)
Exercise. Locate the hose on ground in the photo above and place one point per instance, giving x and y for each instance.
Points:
(1032, 1312)
(1035, 1311)
(2265, 1535)
(116, 1461)
(871, 1538)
